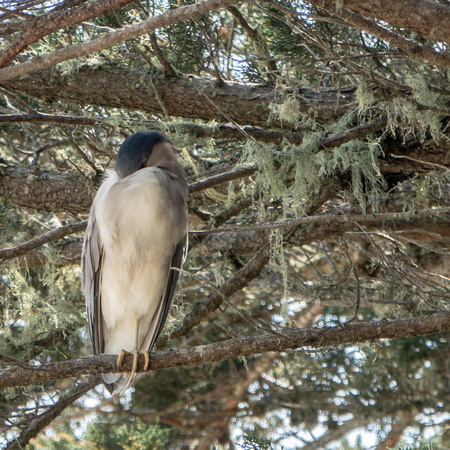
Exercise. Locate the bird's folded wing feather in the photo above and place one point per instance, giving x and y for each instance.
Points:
(174, 273)
(91, 268)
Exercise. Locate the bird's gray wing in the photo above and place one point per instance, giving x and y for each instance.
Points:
(174, 273)
(91, 266)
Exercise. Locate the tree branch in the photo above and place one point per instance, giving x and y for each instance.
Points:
(243, 172)
(288, 339)
(362, 24)
(35, 116)
(183, 96)
(427, 18)
(116, 37)
(330, 218)
(40, 422)
(59, 233)
(48, 23)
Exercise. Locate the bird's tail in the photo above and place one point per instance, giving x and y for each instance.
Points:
(117, 383)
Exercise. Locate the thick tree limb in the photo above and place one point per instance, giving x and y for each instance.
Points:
(290, 339)
(47, 190)
(51, 190)
(183, 96)
(425, 17)
(421, 230)
(410, 48)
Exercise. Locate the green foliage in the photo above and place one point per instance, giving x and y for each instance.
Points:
(63, 441)
(133, 435)
(422, 446)
(253, 442)
(282, 39)
(43, 299)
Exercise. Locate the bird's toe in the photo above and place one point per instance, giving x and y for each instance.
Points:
(147, 359)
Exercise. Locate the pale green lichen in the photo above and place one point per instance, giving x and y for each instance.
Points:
(360, 158)
(365, 97)
(278, 262)
(339, 5)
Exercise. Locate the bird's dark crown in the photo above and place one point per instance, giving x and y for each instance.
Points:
(136, 151)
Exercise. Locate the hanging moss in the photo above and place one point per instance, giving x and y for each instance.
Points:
(365, 97)
(278, 263)
(360, 158)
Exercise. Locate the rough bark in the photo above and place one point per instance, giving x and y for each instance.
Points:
(411, 48)
(247, 243)
(51, 190)
(427, 18)
(47, 190)
(184, 96)
(54, 191)
(283, 340)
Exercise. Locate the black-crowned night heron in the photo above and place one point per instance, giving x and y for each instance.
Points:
(134, 246)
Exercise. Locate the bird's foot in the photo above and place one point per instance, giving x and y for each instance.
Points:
(136, 355)
(121, 357)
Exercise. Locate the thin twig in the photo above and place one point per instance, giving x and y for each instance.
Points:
(41, 421)
(330, 218)
(418, 161)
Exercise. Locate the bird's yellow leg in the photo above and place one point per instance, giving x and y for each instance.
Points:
(134, 352)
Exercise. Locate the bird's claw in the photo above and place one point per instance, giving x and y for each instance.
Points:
(136, 355)
(147, 359)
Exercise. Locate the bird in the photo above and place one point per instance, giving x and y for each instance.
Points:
(134, 246)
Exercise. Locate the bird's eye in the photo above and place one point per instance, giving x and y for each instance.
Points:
(143, 165)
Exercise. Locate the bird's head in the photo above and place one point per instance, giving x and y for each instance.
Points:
(147, 149)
